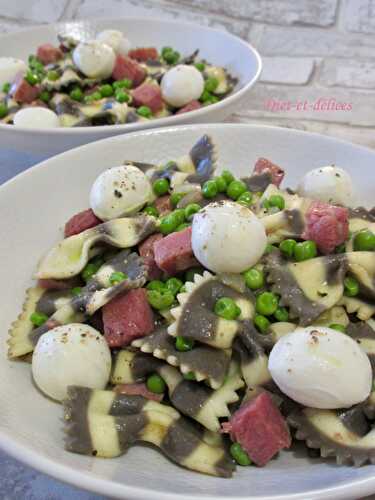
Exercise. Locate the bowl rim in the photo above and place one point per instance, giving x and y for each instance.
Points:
(200, 113)
(93, 483)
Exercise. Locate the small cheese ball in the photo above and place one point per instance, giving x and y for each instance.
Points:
(94, 59)
(73, 354)
(116, 40)
(10, 68)
(120, 191)
(329, 184)
(320, 367)
(227, 237)
(182, 84)
(36, 117)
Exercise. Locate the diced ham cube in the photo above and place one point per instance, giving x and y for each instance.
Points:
(327, 225)
(163, 204)
(146, 250)
(148, 94)
(174, 252)
(263, 165)
(48, 54)
(23, 92)
(80, 222)
(190, 106)
(260, 429)
(127, 317)
(144, 53)
(138, 390)
(128, 68)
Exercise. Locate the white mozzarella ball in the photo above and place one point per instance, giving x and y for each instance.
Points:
(227, 237)
(36, 117)
(94, 59)
(119, 191)
(321, 368)
(329, 184)
(116, 40)
(74, 354)
(182, 84)
(10, 68)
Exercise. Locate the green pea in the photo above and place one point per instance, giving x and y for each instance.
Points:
(304, 251)
(173, 285)
(122, 96)
(277, 201)
(191, 209)
(123, 84)
(38, 319)
(168, 224)
(160, 299)
(364, 241)
(6, 87)
(205, 97)
(179, 215)
(106, 90)
(45, 96)
(160, 187)
(245, 198)
(151, 210)
(183, 344)
(170, 56)
(117, 277)
(144, 111)
(227, 308)
(89, 270)
(53, 75)
(189, 275)
(3, 109)
(266, 303)
(32, 78)
(269, 248)
(287, 247)
(338, 327)
(239, 455)
(227, 176)
(351, 287)
(254, 278)
(281, 314)
(166, 50)
(76, 94)
(76, 291)
(155, 384)
(235, 189)
(176, 198)
(181, 227)
(189, 376)
(209, 189)
(212, 100)
(261, 323)
(221, 184)
(211, 84)
(94, 96)
(156, 285)
(200, 66)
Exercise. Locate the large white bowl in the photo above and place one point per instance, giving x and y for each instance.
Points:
(35, 204)
(218, 47)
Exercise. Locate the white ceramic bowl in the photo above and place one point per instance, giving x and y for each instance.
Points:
(35, 204)
(218, 47)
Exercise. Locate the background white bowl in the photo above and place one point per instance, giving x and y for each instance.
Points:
(36, 204)
(218, 47)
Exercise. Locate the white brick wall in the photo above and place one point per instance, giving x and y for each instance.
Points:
(311, 48)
